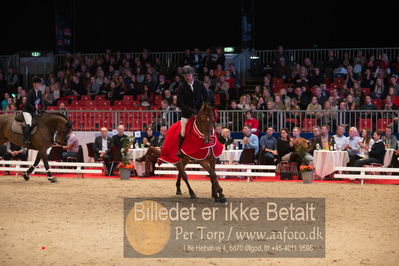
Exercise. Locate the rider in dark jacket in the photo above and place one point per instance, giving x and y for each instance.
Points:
(33, 104)
(190, 97)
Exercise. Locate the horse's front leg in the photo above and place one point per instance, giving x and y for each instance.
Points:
(32, 168)
(217, 191)
(50, 178)
(182, 174)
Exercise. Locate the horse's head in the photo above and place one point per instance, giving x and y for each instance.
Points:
(206, 121)
(61, 126)
(62, 132)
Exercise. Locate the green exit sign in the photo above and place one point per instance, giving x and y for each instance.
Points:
(36, 54)
(229, 49)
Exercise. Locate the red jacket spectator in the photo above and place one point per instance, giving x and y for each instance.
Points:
(253, 122)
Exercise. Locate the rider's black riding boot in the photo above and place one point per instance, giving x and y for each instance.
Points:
(180, 153)
(26, 131)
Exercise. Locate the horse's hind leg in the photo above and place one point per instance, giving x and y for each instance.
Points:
(50, 178)
(30, 170)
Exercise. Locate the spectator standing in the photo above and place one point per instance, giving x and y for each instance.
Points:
(252, 122)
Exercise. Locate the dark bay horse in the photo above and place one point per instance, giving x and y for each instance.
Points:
(47, 126)
(205, 123)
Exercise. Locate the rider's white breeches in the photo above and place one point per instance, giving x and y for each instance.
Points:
(28, 118)
(183, 126)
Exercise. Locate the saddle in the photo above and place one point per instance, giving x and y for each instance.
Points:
(19, 122)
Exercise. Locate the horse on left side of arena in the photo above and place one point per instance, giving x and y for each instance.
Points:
(42, 139)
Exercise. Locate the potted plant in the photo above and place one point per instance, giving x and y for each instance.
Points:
(306, 171)
(125, 166)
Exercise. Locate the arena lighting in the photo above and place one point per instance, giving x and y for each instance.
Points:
(36, 54)
(229, 49)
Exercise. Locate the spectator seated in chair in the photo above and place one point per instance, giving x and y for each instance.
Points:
(117, 139)
(268, 145)
(297, 141)
(315, 140)
(150, 140)
(339, 138)
(72, 147)
(102, 148)
(377, 152)
(390, 140)
(284, 146)
(251, 142)
(14, 152)
(353, 146)
(225, 138)
(153, 153)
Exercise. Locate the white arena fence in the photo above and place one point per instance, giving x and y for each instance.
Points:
(55, 167)
(138, 120)
(364, 173)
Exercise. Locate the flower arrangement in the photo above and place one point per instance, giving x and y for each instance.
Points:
(306, 168)
(125, 163)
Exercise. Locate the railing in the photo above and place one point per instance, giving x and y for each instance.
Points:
(136, 120)
(319, 55)
(170, 59)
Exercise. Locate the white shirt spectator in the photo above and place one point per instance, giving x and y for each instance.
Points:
(340, 142)
(105, 144)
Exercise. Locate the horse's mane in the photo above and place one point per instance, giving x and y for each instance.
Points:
(59, 114)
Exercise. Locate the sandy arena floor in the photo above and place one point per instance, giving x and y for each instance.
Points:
(80, 222)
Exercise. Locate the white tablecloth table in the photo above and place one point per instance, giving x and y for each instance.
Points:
(230, 156)
(326, 161)
(388, 157)
(135, 154)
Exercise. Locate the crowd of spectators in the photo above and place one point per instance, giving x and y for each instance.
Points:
(359, 83)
